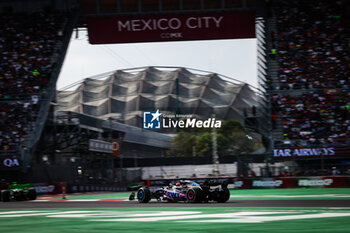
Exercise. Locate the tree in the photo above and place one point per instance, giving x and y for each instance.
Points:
(241, 143)
(232, 138)
(223, 144)
(229, 127)
(182, 145)
(204, 145)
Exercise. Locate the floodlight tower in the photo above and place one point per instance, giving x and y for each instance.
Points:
(216, 171)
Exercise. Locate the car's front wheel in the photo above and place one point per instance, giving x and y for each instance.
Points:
(144, 195)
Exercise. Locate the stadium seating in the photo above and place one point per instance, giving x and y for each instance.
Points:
(312, 96)
(28, 54)
(315, 117)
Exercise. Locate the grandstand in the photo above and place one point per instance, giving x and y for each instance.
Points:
(309, 77)
(29, 44)
(33, 42)
(311, 87)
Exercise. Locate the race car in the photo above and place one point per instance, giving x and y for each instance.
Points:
(18, 192)
(186, 191)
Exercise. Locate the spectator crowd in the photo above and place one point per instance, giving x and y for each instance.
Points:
(313, 44)
(313, 52)
(315, 117)
(28, 53)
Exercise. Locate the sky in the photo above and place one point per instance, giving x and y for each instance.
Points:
(232, 58)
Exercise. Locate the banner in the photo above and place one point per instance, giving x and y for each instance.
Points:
(287, 182)
(49, 188)
(105, 147)
(326, 182)
(74, 188)
(156, 28)
(311, 152)
(268, 183)
(9, 162)
(243, 183)
(100, 146)
(332, 91)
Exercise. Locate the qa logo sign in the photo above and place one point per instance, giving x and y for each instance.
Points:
(10, 163)
(151, 120)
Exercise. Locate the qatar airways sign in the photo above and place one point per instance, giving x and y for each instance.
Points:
(312, 152)
(154, 28)
(304, 152)
(10, 162)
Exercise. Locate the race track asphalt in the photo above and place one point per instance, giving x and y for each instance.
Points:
(135, 204)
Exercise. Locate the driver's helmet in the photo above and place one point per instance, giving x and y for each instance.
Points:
(178, 184)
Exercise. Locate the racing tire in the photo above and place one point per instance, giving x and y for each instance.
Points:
(31, 195)
(20, 195)
(143, 195)
(5, 195)
(223, 196)
(194, 195)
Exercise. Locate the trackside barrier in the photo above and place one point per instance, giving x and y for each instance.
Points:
(64, 188)
(49, 188)
(326, 182)
(293, 182)
(74, 188)
(270, 183)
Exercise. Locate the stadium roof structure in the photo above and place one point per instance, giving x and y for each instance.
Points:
(123, 95)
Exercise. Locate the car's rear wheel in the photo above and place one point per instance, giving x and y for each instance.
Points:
(223, 195)
(19, 195)
(194, 195)
(144, 195)
(31, 194)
